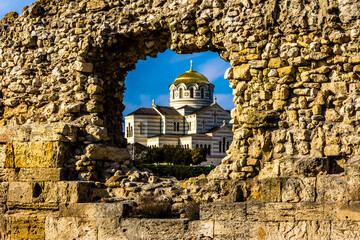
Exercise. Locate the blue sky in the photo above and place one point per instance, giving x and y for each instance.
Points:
(152, 77)
(13, 5)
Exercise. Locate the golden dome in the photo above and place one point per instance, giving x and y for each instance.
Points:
(191, 76)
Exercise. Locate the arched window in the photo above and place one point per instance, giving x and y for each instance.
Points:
(209, 149)
(197, 145)
(173, 94)
(191, 92)
(210, 93)
(223, 144)
(202, 93)
(178, 126)
(219, 146)
(181, 93)
(174, 126)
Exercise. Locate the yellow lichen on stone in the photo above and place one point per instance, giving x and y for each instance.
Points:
(31, 155)
(286, 71)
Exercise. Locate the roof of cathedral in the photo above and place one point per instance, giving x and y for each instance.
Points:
(144, 111)
(216, 129)
(191, 76)
(164, 110)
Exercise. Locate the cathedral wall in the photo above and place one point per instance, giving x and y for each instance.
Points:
(294, 75)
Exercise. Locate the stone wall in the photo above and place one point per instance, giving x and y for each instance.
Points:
(295, 80)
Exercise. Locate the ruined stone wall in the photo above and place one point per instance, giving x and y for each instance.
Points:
(295, 81)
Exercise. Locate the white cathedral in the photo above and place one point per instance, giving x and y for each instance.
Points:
(193, 119)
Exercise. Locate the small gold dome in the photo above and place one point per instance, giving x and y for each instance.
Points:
(191, 76)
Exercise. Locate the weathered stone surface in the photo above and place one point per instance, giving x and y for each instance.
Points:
(94, 210)
(83, 67)
(34, 154)
(242, 72)
(102, 152)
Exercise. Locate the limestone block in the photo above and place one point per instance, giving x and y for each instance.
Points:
(93, 210)
(242, 72)
(349, 211)
(40, 174)
(335, 87)
(83, 67)
(97, 133)
(258, 64)
(354, 87)
(109, 229)
(307, 211)
(278, 212)
(161, 229)
(319, 78)
(199, 229)
(332, 115)
(332, 188)
(270, 190)
(232, 230)
(245, 230)
(286, 71)
(53, 132)
(332, 150)
(102, 152)
(96, 5)
(240, 88)
(70, 228)
(228, 74)
(34, 155)
(223, 211)
(345, 230)
(2, 155)
(355, 59)
(352, 167)
(305, 230)
(279, 105)
(317, 110)
(20, 192)
(15, 133)
(16, 87)
(318, 56)
(298, 189)
(275, 63)
(28, 228)
(4, 186)
(302, 91)
(65, 192)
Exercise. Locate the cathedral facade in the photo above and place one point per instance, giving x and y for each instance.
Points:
(192, 120)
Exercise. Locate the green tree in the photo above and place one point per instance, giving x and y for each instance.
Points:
(198, 156)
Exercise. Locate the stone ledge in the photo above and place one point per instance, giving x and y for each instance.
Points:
(94, 210)
(35, 194)
(56, 132)
(32, 174)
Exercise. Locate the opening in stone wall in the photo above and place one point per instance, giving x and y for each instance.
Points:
(177, 112)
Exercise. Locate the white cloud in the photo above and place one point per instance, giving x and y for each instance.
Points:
(129, 107)
(162, 100)
(213, 68)
(225, 101)
(145, 100)
(182, 57)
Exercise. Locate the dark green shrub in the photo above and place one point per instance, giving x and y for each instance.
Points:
(179, 171)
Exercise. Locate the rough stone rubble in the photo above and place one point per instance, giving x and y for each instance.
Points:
(295, 80)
